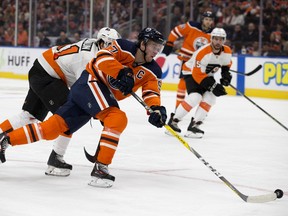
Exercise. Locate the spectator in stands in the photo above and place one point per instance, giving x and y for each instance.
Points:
(276, 38)
(252, 12)
(76, 37)
(176, 17)
(2, 36)
(43, 40)
(266, 49)
(63, 39)
(9, 36)
(251, 34)
(22, 36)
(237, 34)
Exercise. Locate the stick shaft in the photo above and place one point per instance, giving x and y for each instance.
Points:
(252, 199)
(239, 92)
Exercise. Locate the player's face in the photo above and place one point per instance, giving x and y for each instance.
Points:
(152, 49)
(217, 42)
(207, 22)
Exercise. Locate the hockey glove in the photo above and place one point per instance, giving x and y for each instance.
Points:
(168, 48)
(211, 85)
(125, 80)
(212, 68)
(218, 90)
(158, 116)
(226, 76)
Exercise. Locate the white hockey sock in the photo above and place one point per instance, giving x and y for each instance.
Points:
(190, 101)
(22, 119)
(61, 144)
(200, 114)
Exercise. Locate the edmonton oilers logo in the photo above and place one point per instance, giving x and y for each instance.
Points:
(112, 82)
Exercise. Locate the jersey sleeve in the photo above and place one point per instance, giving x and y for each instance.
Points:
(106, 60)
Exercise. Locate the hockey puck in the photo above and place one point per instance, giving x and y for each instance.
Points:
(279, 193)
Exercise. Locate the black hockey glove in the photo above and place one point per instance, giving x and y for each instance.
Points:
(167, 49)
(212, 68)
(158, 116)
(211, 85)
(218, 90)
(226, 76)
(125, 80)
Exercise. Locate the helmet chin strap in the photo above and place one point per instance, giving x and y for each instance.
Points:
(135, 64)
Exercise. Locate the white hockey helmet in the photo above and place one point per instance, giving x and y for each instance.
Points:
(218, 32)
(107, 35)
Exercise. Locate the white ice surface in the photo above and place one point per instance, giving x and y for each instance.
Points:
(155, 174)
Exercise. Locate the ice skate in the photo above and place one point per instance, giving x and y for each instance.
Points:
(101, 177)
(173, 123)
(193, 130)
(4, 143)
(57, 166)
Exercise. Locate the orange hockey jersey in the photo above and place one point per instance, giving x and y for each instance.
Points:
(194, 38)
(108, 62)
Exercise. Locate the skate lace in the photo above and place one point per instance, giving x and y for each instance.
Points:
(102, 168)
(3, 144)
(60, 158)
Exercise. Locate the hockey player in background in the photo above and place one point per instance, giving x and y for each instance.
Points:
(202, 88)
(116, 71)
(194, 36)
(50, 78)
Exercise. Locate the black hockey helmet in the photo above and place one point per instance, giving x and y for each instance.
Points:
(150, 34)
(207, 14)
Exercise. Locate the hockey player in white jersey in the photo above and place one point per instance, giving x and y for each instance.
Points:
(50, 78)
(201, 86)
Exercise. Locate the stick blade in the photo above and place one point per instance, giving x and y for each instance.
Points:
(262, 198)
(89, 157)
(255, 70)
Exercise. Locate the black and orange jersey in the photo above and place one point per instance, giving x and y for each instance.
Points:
(121, 53)
(193, 38)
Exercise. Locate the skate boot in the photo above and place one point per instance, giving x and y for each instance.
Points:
(193, 130)
(57, 166)
(4, 143)
(173, 123)
(101, 177)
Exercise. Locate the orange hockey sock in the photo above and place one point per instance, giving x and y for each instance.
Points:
(181, 91)
(49, 129)
(115, 121)
(5, 126)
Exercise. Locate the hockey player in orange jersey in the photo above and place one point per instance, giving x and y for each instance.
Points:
(194, 36)
(50, 78)
(116, 71)
(202, 88)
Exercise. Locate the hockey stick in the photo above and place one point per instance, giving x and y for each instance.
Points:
(239, 92)
(233, 71)
(249, 73)
(251, 199)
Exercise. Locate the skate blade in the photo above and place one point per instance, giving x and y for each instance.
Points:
(193, 135)
(54, 171)
(101, 183)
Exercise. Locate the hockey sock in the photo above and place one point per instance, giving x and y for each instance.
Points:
(61, 144)
(181, 91)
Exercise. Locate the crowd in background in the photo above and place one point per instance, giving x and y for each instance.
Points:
(58, 23)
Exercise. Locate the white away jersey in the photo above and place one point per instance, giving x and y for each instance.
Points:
(67, 62)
